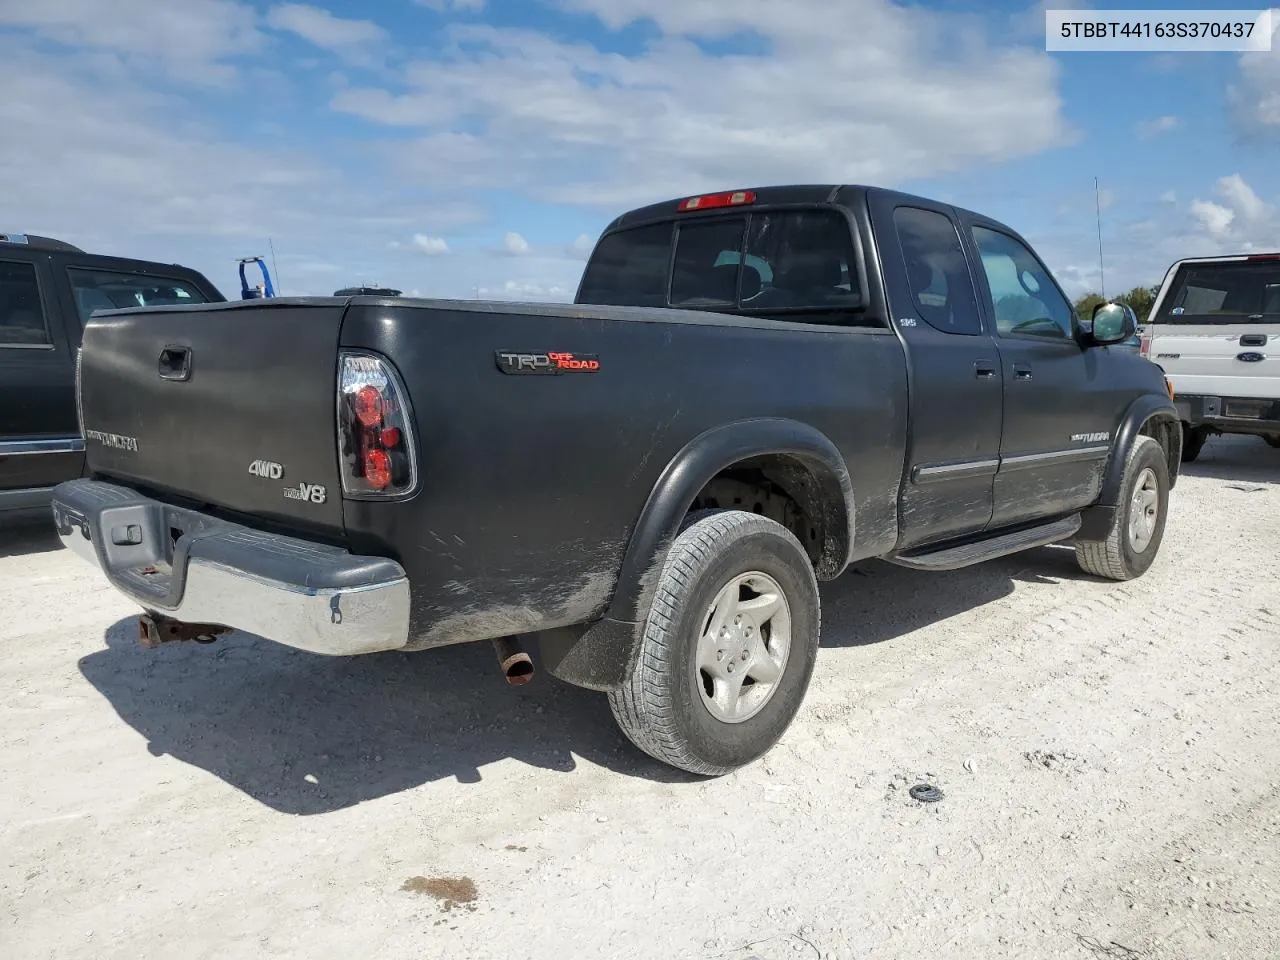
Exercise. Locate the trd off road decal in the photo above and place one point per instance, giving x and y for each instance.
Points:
(520, 363)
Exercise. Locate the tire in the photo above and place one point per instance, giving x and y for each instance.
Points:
(1126, 554)
(1192, 443)
(670, 707)
(1273, 439)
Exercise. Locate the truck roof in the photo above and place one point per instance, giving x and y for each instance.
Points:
(849, 193)
(33, 242)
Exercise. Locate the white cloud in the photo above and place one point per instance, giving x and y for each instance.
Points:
(1215, 218)
(1105, 199)
(190, 40)
(568, 122)
(322, 28)
(431, 246)
(1139, 249)
(1243, 218)
(1255, 95)
(1153, 128)
(515, 290)
(1242, 198)
(472, 6)
(515, 244)
(581, 248)
(118, 168)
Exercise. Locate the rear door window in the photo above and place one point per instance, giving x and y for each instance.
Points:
(22, 320)
(111, 290)
(937, 270)
(1224, 293)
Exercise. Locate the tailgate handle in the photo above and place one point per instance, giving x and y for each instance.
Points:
(175, 363)
(1253, 340)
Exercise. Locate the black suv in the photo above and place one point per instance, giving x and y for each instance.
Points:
(48, 289)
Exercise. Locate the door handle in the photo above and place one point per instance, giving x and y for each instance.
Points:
(1021, 371)
(175, 363)
(1253, 339)
(984, 369)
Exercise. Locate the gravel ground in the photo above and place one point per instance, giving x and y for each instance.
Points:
(1108, 754)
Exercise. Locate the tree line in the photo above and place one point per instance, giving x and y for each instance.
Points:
(1140, 300)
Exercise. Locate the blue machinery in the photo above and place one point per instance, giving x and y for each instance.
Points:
(263, 289)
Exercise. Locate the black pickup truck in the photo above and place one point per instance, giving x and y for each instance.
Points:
(48, 289)
(752, 391)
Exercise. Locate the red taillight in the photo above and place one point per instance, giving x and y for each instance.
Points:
(710, 201)
(377, 469)
(375, 432)
(368, 406)
(1144, 345)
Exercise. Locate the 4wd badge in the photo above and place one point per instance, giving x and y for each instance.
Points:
(267, 469)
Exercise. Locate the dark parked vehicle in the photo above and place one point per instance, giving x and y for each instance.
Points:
(48, 289)
(753, 390)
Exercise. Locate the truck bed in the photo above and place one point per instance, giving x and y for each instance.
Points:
(530, 484)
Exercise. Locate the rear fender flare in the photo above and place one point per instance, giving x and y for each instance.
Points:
(600, 656)
(694, 467)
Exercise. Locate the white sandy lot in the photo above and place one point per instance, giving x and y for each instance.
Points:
(1109, 753)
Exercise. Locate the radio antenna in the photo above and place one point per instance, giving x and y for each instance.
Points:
(1102, 270)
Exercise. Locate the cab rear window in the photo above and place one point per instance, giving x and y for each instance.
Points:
(1241, 291)
(768, 262)
(110, 290)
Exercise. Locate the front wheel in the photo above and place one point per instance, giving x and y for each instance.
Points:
(1131, 544)
(728, 646)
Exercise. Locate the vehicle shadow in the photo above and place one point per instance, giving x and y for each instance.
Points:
(1236, 459)
(307, 734)
(22, 534)
(878, 601)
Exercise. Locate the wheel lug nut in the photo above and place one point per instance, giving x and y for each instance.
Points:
(731, 668)
(737, 621)
(719, 654)
(744, 656)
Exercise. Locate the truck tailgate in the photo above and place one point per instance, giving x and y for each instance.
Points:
(227, 405)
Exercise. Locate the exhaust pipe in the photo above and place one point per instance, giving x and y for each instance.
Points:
(515, 663)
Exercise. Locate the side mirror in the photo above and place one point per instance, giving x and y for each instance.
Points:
(1113, 323)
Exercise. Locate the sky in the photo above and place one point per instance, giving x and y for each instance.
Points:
(461, 148)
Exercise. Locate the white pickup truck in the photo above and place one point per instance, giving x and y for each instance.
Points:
(1214, 330)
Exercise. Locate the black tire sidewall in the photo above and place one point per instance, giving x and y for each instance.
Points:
(1149, 455)
(735, 744)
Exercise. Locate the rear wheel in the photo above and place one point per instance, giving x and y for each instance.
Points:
(1193, 439)
(1273, 439)
(728, 647)
(1131, 544)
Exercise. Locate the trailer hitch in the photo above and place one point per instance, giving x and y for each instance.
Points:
(154, 630)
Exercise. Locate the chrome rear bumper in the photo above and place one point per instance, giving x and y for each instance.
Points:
(195, 568)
